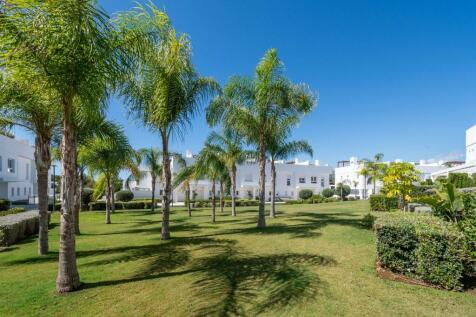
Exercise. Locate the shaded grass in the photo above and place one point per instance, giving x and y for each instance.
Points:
(312, 260)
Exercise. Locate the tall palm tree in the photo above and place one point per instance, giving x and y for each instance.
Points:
(163, 91)
(365, 173)
(280, 149)
(24, 103)
(376, 170)
(108, 156)
(253, 107)
(229, 146)
(152, 159)
(68, 47)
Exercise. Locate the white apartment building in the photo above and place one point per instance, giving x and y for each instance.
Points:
(469, 166)
(291, 178)
(17, 169)
(349, 173)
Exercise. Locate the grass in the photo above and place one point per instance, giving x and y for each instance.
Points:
(312, 260)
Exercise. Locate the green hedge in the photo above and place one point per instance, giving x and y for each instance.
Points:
(305, 193)
(423, 247)
(129, 205)
(4, 204)
(11, 211)
(124, 195)
(15, 227)
(382, 203)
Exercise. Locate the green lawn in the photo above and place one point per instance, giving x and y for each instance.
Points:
(313, 260)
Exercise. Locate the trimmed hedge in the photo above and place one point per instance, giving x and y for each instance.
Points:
(124, 195)
(423, 247)
(129, 205)
(11, 211)
(4, 204)
(18, 226)
(382, 203)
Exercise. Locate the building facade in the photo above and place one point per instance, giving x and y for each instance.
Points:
(349, 173)
(291, 178)
(469, 166)
(17, 169)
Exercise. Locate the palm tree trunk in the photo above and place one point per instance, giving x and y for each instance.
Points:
(165, 234)
(152, 207)
(272, 212)
(262, 180)
(79, 202)
(233, 190)
(68, 276)
(373, 190)
(108, 200)
(43, 162)
(213, 201)
(222, 196)
(187, 198)
(111, 194)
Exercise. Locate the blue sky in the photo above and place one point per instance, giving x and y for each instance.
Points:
(397, 77)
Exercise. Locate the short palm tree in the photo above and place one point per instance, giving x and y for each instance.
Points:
(376, 170)
(253, 107)
(210, 165)
(280, 149)
(184, 177)
(230, 148)
(108, 156)
(163, 91)
(152, 159)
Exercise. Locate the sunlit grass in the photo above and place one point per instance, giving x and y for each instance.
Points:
(312, 260)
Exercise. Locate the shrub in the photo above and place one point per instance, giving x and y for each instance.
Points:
(316, 199)
(4, 204)
(87, 195)
(305, 194)
(97, 205)
(460, 180)
(368, 221)
(12, 211)
(293, 202)
(124, 195)
(331, 199)
(15, 227)
(383, 203)
(134, 205)
(327, 192)
(421, 246)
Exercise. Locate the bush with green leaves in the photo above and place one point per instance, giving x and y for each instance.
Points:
(316, 199)
(383, 203)
(4, 204)
(17, 226)
(124, 195)
(460, 180)
(327, 192)
(129, 205)
(87, 195)
(342, 190)
(423, 247)
(305, 193)
(331, 199)
(11, 211)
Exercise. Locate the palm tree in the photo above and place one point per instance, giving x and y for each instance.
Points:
(376, 170)
(108, 156)
(365, 173)
(163, 91)
(185, 176)
(152, 159)
(24, 103)
(279, 149)
(229, 147)
(210, 165)
(253, 107)
(67, 46)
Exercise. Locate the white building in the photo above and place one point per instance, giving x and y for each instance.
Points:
(17, 169)
(469, 166)
(291, 178)
(349, 173)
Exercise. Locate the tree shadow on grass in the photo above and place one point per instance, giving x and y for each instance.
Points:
(233, 284)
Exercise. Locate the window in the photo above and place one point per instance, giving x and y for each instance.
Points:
(27, 171)
(323, 182)
(13, 191)
(313, 180)
(11, 165)
(1, 163)
(288, 181)
(24, 191)
(302, 180)
(18, 191)
(29, 191)
(161, 192)
(237, 193)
